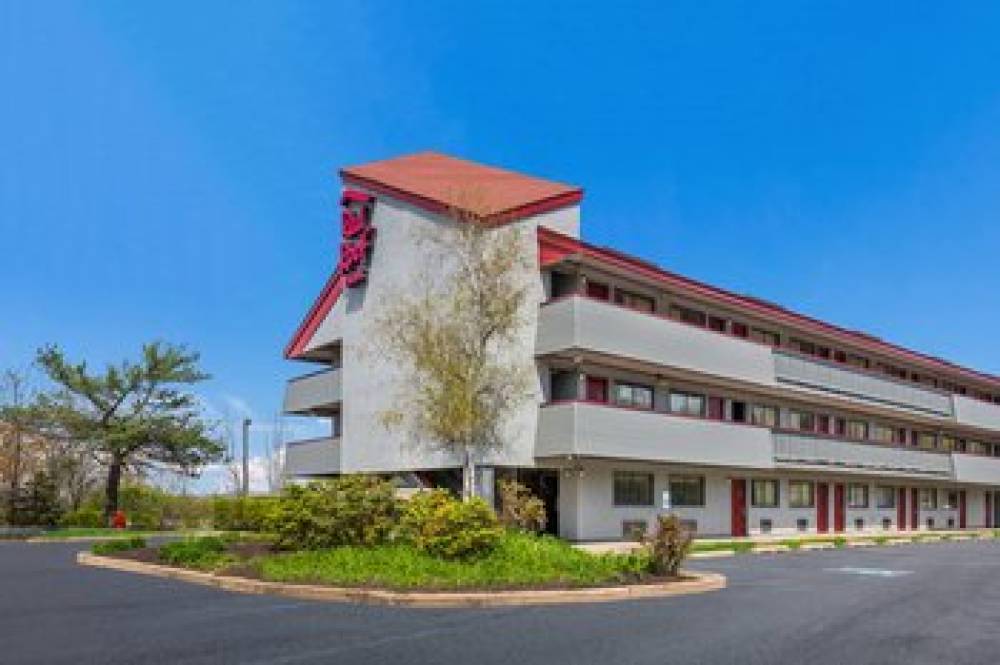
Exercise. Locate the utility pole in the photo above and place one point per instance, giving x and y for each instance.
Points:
(246, 457)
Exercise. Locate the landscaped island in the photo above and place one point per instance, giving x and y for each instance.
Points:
(353, 532)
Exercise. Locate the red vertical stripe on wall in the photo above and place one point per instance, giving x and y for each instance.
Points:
(738, 494)
(822, 507)
(839, 508)
(914, 508)
(901, 510)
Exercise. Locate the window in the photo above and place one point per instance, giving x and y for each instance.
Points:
(930, 522)
(765, 336)
(885, 497)
(801, 420)
(802, 346)
(859, 524)
(716, 323)
(633, 529)
(882, 434)
(857, 496)
(629, 394)
(634, 300)
(886, 523)
(978, 448)
(766, 525)
(687, 404)
(857, 429)
(928, 499)
(738, 412)
(687, 490)
(948, 442)
(857, 361)
(687, 315)
(802, 524)
(633, 488)
(926, 440)
(764, 493)
(840, 426)
(765, 416)
(740, 329)
(950, 500)
(800, 494)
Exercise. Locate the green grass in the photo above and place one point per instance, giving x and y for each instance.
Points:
(118, 545)
(736, 546)
(792, 544)
(519, 560)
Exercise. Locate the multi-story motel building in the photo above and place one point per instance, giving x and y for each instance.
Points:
(655, 392)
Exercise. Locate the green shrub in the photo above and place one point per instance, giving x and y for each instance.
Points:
(840, 541)
(351, 510)
(880, 540)
(520, 509)
(205, 552)
(742, 546)
(86, 516)
(668, 546)
(792, 544)
(441, 525)
(118, 545)
(250, 513)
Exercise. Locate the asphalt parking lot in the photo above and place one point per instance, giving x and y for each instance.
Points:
(930, 603)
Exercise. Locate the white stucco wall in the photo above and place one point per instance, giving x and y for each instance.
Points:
(370, 384)
(587, 510)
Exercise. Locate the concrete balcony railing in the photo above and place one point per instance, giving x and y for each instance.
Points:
(312, 457)
(817, 374)
(581, 323)
(314, 394)
(800, 450)
(976, 413)
(976, 469)
(599, 430)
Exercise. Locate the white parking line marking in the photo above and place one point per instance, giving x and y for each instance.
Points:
(871, 572)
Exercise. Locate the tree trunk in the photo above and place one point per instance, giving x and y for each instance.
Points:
(15, 477)
(111, 490)
(468, 475)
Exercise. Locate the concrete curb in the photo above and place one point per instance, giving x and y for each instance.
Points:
(125, 535)
(701, 583)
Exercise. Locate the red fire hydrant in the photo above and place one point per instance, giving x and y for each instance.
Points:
(118, 520)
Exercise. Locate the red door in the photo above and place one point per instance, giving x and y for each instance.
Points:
(716, 408)
(839, 516)
(901, 510)
(597, 389)
(738, 492)
(599, 291)
(914, 509)
(961, 509)
(822, 507)
(989, 510)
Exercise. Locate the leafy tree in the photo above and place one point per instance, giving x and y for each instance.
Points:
(132, 415)
(449, 338)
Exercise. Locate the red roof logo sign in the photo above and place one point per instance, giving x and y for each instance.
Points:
(357, 236)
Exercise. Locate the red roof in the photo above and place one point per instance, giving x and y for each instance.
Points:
(440, 183)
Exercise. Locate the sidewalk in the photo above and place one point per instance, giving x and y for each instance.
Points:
(778, 543)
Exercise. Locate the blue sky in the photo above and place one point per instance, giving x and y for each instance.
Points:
(167, 170)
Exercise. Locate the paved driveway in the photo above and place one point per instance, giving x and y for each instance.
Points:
(933, 603)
